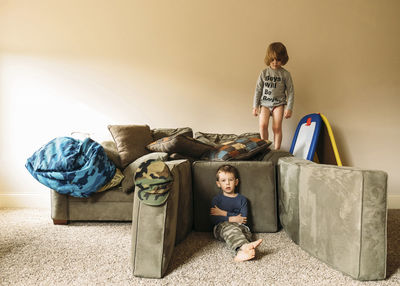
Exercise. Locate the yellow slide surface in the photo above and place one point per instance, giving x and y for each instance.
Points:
(332, 138)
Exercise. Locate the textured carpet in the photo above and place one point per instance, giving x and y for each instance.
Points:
(33, 251)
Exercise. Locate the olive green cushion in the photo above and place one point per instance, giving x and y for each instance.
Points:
(337, 214)
(256, 183)
(154, 233)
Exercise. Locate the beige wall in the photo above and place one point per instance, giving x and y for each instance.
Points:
(80, 65)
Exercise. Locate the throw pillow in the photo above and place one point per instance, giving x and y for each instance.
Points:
(217, 139)
(177, 156)
(240, 149)
(112, 152)
(115, 181)
(128, 184)
(181, 144)
(159, 133)
(131, 141)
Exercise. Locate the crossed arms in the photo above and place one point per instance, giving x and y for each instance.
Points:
(216, 211)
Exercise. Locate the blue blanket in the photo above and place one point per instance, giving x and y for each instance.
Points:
(72, 167)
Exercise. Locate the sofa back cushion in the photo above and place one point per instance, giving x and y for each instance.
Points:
(154, 233)
(256, 183)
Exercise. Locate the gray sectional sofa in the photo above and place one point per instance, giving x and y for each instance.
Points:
(337, 214)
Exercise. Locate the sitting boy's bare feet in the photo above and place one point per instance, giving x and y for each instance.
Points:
(247, 251)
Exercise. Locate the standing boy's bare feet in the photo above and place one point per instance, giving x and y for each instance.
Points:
(247, 251)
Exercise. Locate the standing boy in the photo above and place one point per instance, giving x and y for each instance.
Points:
(274, 94)
(229, 215)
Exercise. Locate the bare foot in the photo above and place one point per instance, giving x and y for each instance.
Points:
(247, 251)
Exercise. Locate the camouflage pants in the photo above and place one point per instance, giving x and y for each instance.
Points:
(233, 234)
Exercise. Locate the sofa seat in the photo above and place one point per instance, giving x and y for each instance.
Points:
(116, 205)
(111, 205)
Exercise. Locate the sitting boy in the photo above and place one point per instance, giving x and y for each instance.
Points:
(229, 215)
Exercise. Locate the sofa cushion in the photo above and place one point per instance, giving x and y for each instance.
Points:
(154, 232)
(217, 139)
(256, 183)
(159, 133)
(131, 141)
(337, 214)
(128, 183)
(181, 144)
(240, 149)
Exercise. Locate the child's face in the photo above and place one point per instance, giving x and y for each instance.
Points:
(227, 182)
(275, 64)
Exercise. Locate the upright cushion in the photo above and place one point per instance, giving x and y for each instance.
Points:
(156, 229)
(256, 183)
(337, 214)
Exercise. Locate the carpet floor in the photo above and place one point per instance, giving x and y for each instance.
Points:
(33, 251)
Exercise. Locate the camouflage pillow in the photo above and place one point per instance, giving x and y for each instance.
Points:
(184, 145)
(240, 149)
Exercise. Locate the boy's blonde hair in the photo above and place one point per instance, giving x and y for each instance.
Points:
(277, 51)
(227, 169)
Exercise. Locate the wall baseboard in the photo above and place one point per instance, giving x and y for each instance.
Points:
(42, 201)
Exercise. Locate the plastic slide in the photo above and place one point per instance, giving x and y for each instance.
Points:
(332, 139)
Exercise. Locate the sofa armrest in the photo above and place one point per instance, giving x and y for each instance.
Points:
(59, 206)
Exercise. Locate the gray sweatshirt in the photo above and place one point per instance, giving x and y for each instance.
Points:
(274, 88)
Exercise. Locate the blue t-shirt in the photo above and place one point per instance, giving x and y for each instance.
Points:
(234, 206)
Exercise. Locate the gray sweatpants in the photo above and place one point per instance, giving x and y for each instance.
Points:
(233, 234)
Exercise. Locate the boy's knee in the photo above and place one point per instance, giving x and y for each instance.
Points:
(276, 129)
(264, 126)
